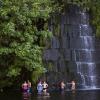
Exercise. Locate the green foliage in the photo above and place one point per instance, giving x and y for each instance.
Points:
(22, 25)
(37, 73)
(95, 12)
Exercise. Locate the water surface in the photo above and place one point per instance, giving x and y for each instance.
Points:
(69, 95)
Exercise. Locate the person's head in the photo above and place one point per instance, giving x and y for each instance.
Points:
(73, 81)
(24, 81)
(62, 82)
(40, 82)
(44, 82)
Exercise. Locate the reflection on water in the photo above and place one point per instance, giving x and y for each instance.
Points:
(26, 96)
(69, 95)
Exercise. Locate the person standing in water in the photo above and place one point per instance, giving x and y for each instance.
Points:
(62, 86)
(39, 87)
(45, 86)
(25, 87)
(29, 87)
(73, 87)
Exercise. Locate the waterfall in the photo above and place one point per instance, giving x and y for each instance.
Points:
(86, 62)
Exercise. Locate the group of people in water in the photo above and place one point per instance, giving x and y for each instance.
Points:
(63, 85)
(42, 87)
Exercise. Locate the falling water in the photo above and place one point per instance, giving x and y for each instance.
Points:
(86, 65)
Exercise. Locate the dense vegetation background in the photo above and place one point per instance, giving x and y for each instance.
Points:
(23, 32)
(23, 29)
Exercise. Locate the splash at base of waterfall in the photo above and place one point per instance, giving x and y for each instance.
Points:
(86, 88)
(90, 87)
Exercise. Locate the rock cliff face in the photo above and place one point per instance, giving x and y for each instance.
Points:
(74, 50)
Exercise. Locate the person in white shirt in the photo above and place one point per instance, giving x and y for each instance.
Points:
(45, 86)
